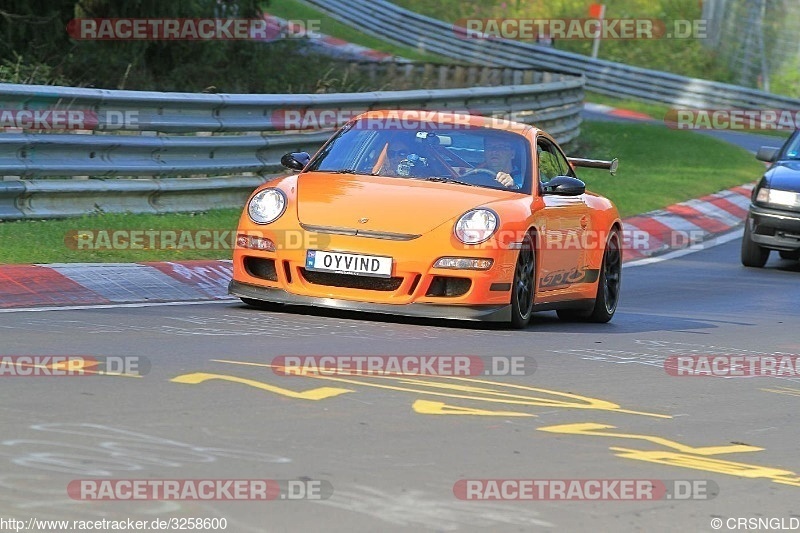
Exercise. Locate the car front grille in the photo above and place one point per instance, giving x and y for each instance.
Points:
(350, 281)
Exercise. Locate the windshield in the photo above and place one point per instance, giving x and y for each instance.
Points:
(792, 150)
(474, 156)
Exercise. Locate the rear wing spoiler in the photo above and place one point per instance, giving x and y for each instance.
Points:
(595, 163)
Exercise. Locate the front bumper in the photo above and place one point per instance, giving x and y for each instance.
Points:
(488, 313)
(775, 229)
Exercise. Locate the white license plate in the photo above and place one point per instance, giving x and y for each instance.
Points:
(357, 264)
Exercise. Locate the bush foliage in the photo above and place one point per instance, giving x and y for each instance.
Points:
(688, 57)
(33, 33)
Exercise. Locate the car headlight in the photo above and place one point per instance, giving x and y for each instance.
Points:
(777, 197)
(266, 206)
(476, 226)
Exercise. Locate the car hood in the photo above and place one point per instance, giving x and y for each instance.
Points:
(397, 205)
(784, 175)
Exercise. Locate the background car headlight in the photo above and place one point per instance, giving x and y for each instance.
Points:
(476, 226)
(266, 206)
(778, 197)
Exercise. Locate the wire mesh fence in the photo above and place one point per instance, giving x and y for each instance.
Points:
(759, 40)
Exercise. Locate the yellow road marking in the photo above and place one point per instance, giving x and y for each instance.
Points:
(708, 464)
(492, 394)
(681, 455)
(784, 390)
(689, 456)
(426, 407)
(312, 394)
(590, 428)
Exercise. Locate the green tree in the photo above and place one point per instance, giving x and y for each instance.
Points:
(35, 29)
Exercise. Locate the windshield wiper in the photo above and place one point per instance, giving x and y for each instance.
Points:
(449, 180)
(352, 171)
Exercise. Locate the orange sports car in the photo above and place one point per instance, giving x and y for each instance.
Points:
(433, 214)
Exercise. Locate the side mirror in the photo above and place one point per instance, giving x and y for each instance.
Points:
(767, 153)
(564, 186)
(295, 160)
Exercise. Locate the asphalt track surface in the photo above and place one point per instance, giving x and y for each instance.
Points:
(600, 405)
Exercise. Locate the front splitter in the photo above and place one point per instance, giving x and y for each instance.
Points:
(485, 313)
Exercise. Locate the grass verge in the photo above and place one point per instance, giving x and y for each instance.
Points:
(658, 167)
(659, 111)
(65, 241)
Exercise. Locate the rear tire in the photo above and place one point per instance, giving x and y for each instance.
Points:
(608, 286)
(753, 255)
(524, 285)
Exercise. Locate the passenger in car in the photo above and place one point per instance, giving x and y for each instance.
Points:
(392, 155)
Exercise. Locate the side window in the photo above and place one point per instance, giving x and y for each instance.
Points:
(551, 162)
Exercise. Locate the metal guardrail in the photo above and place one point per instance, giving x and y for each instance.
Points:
(391, 22)
(36, 155)
(402, 75)
(238, 113)
(226, 135)
(66, 198)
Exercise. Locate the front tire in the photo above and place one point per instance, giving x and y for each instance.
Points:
(753, 255)
(524, 285)
(795, 255)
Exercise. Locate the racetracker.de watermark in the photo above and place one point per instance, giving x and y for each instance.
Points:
(786, 366)
(392, 120)
(191, 29)
(199, 489)
(403, 365)
(584, 489)
(72, 365)
(733, 119)
(579, 28)
(274, 240)
(49, 119)
(587, 239)
(210, 239)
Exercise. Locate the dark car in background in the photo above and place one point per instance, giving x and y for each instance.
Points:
(773, 222)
